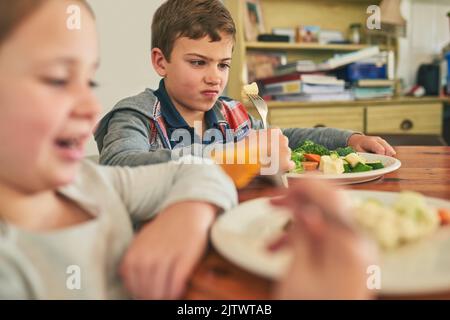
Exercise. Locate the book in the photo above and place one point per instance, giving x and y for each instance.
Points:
(287, 87)
(301, 97)
(322, 80)
(369, 83)
(344, 59)
(322, 88)
(307, 84)
(378, 59)
(303, 66)
(308, 66)
(373, 93)
(287, 77)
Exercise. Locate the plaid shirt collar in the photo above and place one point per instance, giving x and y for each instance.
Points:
(173, 118)
(226, 114)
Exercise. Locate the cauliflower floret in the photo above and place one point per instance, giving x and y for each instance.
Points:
(251, 88)
(408, 219)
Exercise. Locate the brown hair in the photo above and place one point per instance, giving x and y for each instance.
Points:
(194, 19)
(13, 12)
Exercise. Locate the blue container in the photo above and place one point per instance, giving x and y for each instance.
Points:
(447, 57)
(358, 71)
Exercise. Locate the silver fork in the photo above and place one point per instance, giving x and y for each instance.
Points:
(261, 106)
(263, 110)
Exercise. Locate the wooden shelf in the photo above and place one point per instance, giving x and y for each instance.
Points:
(306, 46)
(374, 102)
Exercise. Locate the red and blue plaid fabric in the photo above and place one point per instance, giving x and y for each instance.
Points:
(235, 115)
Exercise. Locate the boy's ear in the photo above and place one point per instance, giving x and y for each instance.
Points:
(159, 62)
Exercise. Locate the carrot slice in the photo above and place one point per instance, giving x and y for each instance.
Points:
(444, 216)
(310, 165)
(312, 157)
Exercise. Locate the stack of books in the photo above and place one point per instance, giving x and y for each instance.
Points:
(305, 80)
(373, 89)
(306, 87)
(303, 66)
(308, 66)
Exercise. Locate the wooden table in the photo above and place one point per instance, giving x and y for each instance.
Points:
(424, 169)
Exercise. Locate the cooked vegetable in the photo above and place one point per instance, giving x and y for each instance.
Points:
(251, 88)
(353, 159)
(329, 165)
(375, 165)
(361, 167)
(334, 155)
(347, 168)
(310, 147)
(408, 219)
(345, 151)
(298, 168)
(310, 165)
(312, 157)
(298, 158)
(444, 216)
(341, 160)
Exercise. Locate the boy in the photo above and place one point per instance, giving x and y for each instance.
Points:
(192, 44)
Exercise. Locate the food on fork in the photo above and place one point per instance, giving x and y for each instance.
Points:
(250, 89)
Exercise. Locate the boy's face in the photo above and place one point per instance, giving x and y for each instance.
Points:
(47, 109)
(197, 72)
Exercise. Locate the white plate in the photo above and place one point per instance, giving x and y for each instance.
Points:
(390, 164)
(241, 235)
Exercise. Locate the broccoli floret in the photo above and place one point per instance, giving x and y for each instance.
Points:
(361, 167)
(298, 168)
(345, 151)
(310, 147)
(298, 158)
(334, 155)
(375, 165)
(347, 168)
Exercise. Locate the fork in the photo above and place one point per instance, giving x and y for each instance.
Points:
(261, 106)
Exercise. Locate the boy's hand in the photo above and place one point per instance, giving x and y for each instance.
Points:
(282, 150)
(277, 145)
(260, 148)
(164, 253)
(362, 143)
(330, 261)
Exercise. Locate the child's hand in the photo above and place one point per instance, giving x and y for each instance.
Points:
(362, 143)
(280, 148)
(330, 261)
(261, 149)
(163, 254)
(276, 145)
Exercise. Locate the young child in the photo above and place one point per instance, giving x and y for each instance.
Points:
(192, 44)
(66, 224)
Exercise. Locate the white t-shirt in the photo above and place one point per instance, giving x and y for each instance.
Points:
(81, 261)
